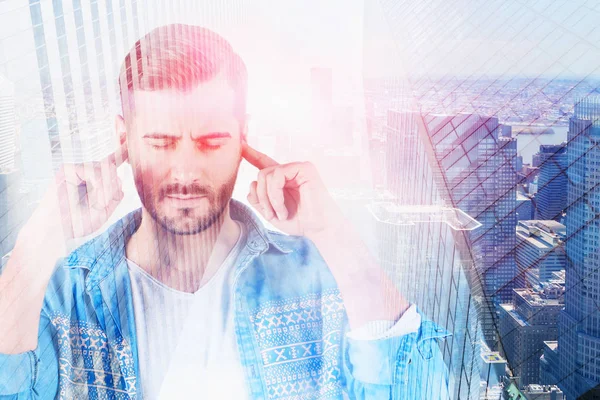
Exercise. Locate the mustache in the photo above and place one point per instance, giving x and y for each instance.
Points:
(193, 189)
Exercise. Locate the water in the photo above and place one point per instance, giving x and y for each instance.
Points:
(528, 145)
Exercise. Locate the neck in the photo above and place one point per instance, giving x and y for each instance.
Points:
(183, 262)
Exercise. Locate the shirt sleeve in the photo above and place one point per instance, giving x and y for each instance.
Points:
(409, 322)
(32, 374)
(394, 362)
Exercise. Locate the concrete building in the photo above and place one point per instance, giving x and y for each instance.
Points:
(540, 252)
(543, 392)
(525, 324)
(533, 392)
(579, 324)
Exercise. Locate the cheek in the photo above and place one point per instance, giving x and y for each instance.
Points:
(224, 160)
(149, 173)
(229, 162)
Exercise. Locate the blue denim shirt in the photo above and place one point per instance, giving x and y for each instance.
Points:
(290, 325)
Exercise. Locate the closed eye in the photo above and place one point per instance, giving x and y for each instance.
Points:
(213, 141)
(161, 143)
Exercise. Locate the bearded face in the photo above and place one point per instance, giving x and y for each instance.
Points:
(185, 151)
(184, 209)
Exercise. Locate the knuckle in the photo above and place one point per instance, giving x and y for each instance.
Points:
(308, 165)
(278, 174)
(277, 201)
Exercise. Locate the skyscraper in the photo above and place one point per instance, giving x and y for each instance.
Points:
(7, 126)
(551, 198)
(478, 167)
(79, 48)
(579, 323)
(524, 206)
(321, 84)
(8, 176)
(549, 363)
(505, 212)
(419, 254)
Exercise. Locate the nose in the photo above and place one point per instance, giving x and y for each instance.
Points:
(186, 164)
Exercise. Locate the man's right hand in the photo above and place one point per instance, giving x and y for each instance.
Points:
(86, 195)
(77, 203)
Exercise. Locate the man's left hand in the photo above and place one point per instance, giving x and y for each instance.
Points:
(295, 200)
(291, 196)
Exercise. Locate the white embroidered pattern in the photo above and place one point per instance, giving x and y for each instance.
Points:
(299, 341)
(90, 366)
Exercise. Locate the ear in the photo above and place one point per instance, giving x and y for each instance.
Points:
(121, 130)
(244, 128)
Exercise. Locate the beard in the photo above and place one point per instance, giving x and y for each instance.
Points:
(186, 221)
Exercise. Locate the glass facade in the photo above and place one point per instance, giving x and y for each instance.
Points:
(579, 326)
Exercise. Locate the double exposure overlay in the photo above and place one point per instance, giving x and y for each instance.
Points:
(365, 199)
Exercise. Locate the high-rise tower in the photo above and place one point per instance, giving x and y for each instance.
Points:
(551, 198)
(579, 323)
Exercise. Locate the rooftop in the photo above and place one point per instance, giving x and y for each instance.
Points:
(551, 344)
(551, 295)
(493, 358)
(542, 234)
(510, 310)
(560, 275)
(488, 356)
(536, 389)
(522, 197)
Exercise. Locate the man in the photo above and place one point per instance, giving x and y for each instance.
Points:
(190, 296)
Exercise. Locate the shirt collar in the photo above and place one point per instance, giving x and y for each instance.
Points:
(103, 253)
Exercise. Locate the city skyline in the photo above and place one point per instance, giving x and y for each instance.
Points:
(490, 109)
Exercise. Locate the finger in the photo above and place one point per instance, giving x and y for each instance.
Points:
(63, 193)
(263, 197)
(253, 199)
(256, 158)
(275, 185)
(77, 207)
(89, 194)
(73, 174)
(109, 180)
(120, 155)
(100, 217)
(252, 196)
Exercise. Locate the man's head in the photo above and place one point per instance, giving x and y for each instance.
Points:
(183, 92)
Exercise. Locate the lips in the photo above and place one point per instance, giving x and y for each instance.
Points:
(184, 201)
(184, 196)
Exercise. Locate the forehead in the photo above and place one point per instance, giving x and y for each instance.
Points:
(209, 102)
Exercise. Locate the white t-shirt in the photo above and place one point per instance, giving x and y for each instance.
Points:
(187, 346)
(181, 357)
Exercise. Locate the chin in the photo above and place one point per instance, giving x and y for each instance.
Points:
(187, 221)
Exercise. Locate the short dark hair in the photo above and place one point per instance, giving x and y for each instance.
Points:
(179, 56)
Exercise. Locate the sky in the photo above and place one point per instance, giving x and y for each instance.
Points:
(281, 41)
(485, 38)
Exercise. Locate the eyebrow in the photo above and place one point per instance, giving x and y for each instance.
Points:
(171, 136)
(214, 135)
(160, 135)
